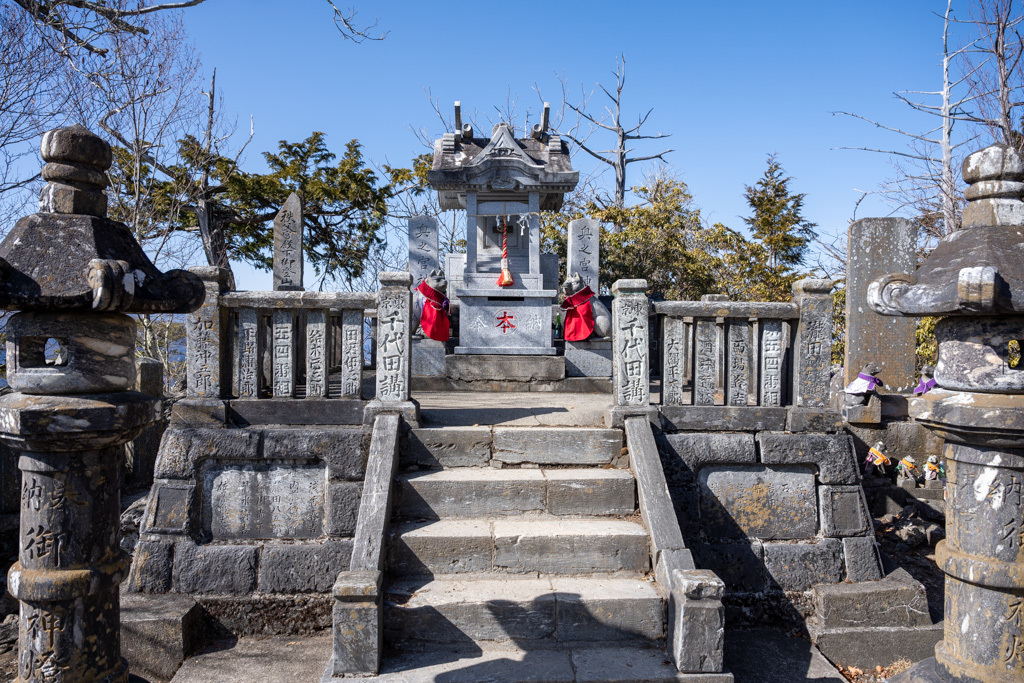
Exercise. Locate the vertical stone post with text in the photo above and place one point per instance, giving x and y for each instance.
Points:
(812, 345)
(394, 348)
(584, 253)
(208, 373)
(630, 343)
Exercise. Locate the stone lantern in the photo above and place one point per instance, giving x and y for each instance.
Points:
(73, 274)
(974, 279)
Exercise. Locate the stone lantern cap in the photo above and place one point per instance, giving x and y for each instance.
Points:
(502, 166)
(979, 269)
(71, 257)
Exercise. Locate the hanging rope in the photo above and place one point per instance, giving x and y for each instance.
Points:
(505, 279)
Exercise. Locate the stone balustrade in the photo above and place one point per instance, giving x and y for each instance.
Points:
(277, 344)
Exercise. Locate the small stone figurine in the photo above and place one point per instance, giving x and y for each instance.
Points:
(927, 383)
(859, 391)
(933, 470)
(907, 469)
(877, 461)
(585, 315)
(430, 306)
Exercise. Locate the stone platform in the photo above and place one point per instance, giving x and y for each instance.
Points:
(505, 373)
(756, 656)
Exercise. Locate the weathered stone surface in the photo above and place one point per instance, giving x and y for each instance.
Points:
(96, 353)
(877, 247)
(862, 560)
(475, 368)
(279, 500)
(740, 564)
(590, 492)
(799, 566)
(556, 446)
(288, 259)
(584, 251)
(343, 449)
(208, 368)
(199, 412)
(607, 609)
(652, 489)
(472, 492)
(812, 343)
(683, 455)
(449, 447)
(867, 414)
(428, 358)
(724, 418)
(813, 420)
(448, 547)
(342, 508)
(588, 359)
(697, 621)
(310, 411)
(303, 567)
(762, 502)
(215, 569)
(170, 508)
(394, 335)
(422, 247)
(357, 625)
(844, 511)
(158, 633)
(182, 448)
(377, 500)
(873, 646)
(896, 600)
(631, 355)
(151, 567)
(832, 454)
(559, 548)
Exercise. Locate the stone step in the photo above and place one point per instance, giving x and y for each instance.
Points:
(480, 446)
(486, 492)
(518, 546)
(590, 663)
(565, 609)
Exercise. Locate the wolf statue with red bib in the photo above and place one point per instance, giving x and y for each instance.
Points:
(585, 315)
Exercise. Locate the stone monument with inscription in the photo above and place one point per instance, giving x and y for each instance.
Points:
(73, 275)
(591, 357)
(503, 183)
(427, 354)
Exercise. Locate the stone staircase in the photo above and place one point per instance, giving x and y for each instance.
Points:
(513, 548)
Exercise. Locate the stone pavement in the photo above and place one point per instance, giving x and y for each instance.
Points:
(756, 656)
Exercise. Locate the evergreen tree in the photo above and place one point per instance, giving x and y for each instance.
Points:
(778, 222)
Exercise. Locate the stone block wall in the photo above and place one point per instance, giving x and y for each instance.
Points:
(773, 514)
(261, 516)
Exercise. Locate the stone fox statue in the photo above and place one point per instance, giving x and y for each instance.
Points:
(430, 306)
(585, 315)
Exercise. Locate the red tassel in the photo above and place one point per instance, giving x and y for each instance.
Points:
(505, 279)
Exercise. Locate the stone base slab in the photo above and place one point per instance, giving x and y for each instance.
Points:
(569, 385)
(158, 632)
(428, 358)
(590, 358)
(475, 368)
(873, 646)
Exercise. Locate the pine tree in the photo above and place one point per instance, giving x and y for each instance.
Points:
(778, 223)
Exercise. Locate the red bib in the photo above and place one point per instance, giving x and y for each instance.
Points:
(434, 318)
(579, 315)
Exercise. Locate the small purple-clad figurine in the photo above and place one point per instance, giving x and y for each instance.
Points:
(927, 383)
(860, 390)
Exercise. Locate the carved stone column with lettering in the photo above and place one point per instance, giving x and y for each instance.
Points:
(73, 274)
(288, 259)
(585, 251)
(973, 278)
(813, 343)
(207, 372)
(631, 362)
(394, 348)
(422, 247)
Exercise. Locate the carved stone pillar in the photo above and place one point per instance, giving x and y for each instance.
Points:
(74, 274)
(975, 278)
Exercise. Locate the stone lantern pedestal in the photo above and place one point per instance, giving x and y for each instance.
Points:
(975, 279)
(74, 274)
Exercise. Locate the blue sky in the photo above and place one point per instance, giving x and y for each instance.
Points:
(732, 81)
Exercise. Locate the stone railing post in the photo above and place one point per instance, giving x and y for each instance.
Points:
(208, 373)
(74, 274)
(697, 621)
(394, 349)
(812, 343)
(140, 453)
(631, 363)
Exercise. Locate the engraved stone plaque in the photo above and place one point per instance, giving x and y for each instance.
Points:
(264, 501)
